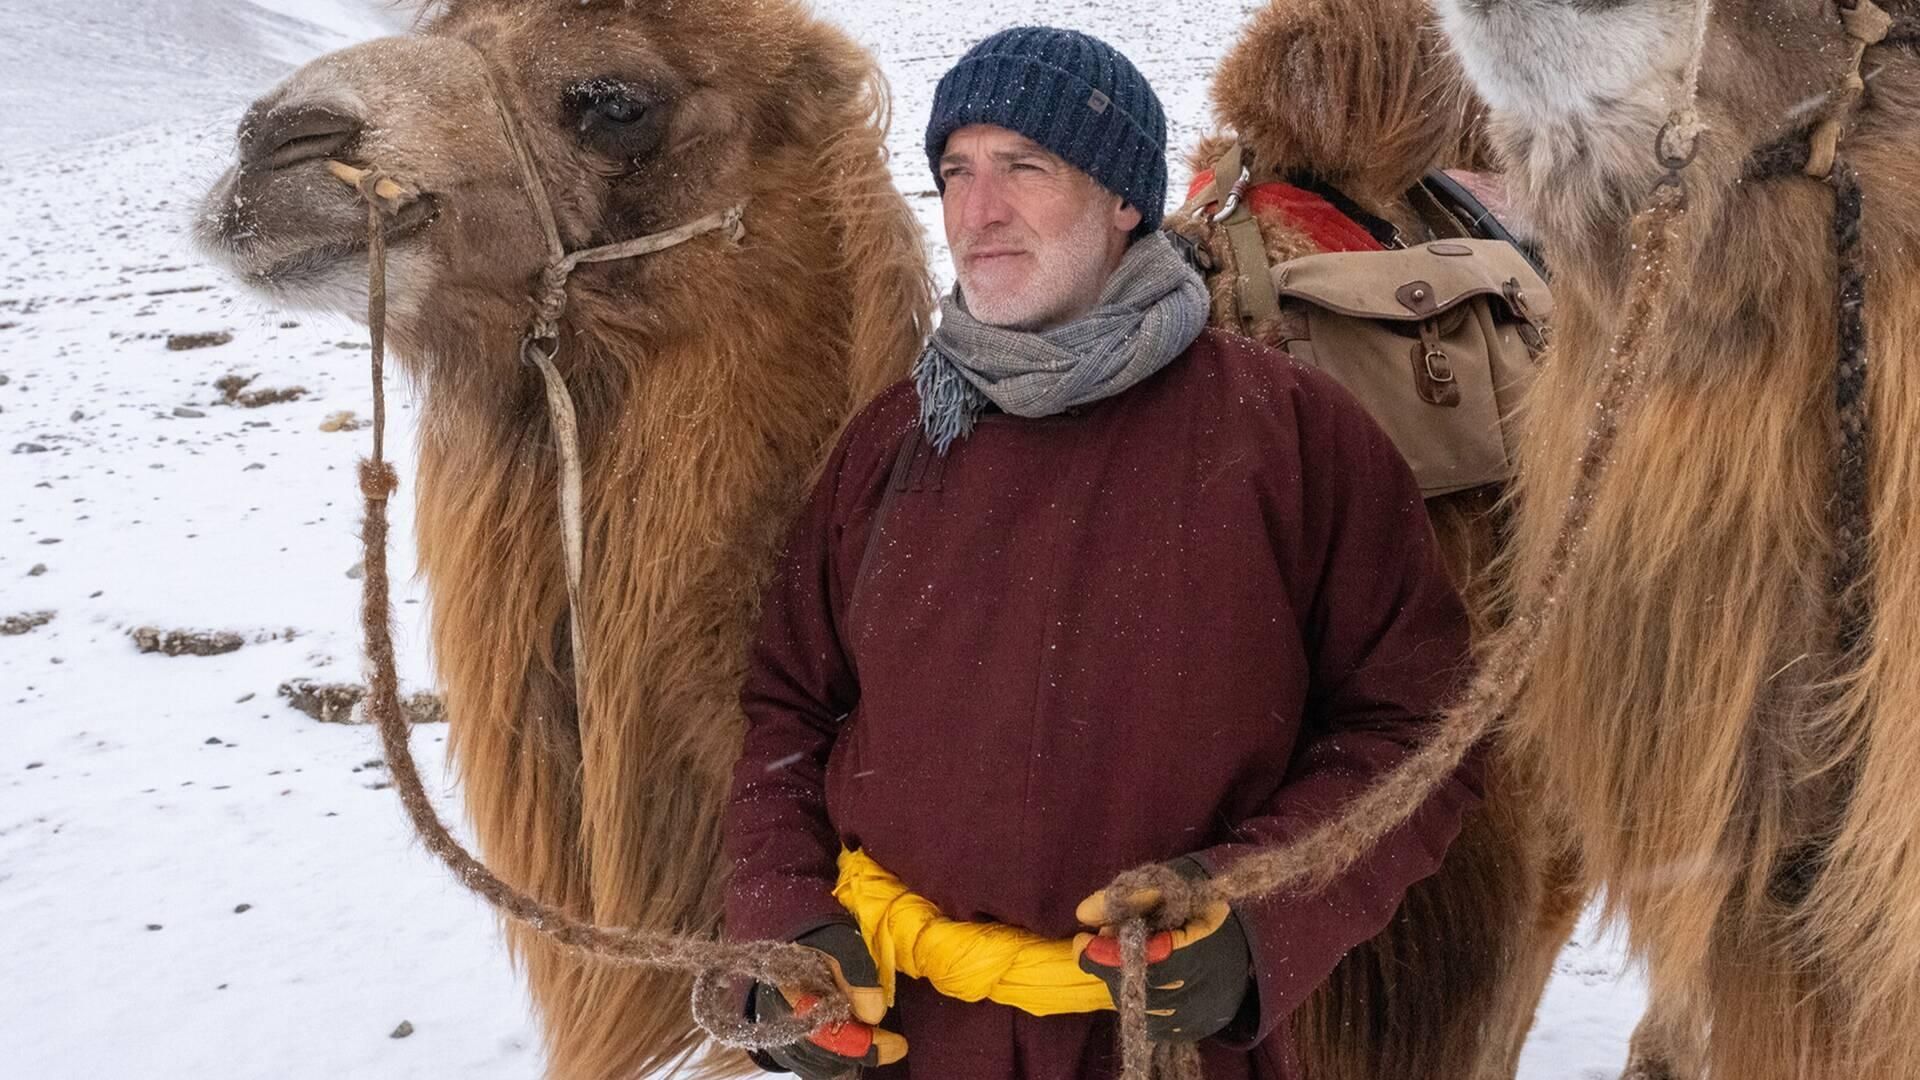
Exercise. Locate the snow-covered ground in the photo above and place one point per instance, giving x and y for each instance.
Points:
(195, 879)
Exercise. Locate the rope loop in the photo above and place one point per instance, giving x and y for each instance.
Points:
(535, 348)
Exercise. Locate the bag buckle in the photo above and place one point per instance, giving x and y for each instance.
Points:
(1439, 368)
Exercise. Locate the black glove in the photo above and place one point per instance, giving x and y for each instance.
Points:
(1197, 976)
(840, 1050)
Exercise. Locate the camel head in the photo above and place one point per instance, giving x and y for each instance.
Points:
(1580, 89)
(1362, 94)
(708, 380)
(640, 116)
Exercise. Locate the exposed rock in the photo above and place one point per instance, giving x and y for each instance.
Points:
(405, 1029)
(185, 413)
(329, 703)
(151, 639)
(424, 708)
(233, 391)
(339, 703)
(15, 625)
(183, 342)
(29, 448)
(38, 569)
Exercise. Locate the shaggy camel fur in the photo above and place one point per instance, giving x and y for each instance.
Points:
(709, 382)
(1742, 789)
(1365, 97)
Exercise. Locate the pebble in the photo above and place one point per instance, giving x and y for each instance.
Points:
(405, 1029)
(29, 448)
(38, 569)
(242, 909)
(188, 414)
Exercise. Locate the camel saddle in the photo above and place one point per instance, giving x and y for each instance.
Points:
(1437, 339)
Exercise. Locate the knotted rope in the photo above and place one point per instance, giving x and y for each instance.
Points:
(1309, 863)
(712, 962)
(1851, 510)
(1312, 862)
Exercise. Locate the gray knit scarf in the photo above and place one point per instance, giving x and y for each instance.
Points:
(1152, 308)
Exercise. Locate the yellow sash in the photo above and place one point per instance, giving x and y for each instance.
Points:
(970, 961)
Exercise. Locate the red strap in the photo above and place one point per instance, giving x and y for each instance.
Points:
(1324, 224)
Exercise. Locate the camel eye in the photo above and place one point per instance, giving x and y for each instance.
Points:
(620, 110)
(604, 101)
(622, 120)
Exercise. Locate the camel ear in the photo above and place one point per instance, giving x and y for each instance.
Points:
(1363, 94)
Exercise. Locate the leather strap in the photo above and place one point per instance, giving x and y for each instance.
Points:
(1255, 302)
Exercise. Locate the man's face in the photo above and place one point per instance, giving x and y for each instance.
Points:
(1034, 239)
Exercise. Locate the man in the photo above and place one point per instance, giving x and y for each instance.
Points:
(1097, 588)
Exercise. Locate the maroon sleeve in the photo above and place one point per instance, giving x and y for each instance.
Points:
(1386, 636)
(800, 685)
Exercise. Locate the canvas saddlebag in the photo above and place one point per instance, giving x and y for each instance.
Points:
(1438, 341)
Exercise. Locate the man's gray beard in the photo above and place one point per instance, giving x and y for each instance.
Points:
(1065, 283)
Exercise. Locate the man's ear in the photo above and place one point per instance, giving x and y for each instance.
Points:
(1125, 217)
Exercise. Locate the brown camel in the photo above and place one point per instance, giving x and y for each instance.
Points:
(709, 380)
(1726, 710)
(1364, 98)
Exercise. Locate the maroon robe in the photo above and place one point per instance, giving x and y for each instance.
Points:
(1193, 617)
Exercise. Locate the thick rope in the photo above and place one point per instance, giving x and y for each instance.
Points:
(1852, 499)
(1312, 862)
(712, 962)
(1309, 864)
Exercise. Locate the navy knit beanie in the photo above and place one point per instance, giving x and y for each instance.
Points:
(1071, 93)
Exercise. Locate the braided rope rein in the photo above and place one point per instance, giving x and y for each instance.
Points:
(1310, 862)
(712, 962)
(1315, 858)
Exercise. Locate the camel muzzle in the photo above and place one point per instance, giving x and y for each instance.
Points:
(281, 139)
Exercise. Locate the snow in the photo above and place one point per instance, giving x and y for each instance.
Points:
(145, 799)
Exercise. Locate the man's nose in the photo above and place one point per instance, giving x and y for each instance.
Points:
(984, 203)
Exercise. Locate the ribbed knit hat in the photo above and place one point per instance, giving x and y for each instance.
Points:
(1071, 93)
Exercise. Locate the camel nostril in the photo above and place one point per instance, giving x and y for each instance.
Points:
(278, 140)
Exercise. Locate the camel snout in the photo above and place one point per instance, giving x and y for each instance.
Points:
(276, 139)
